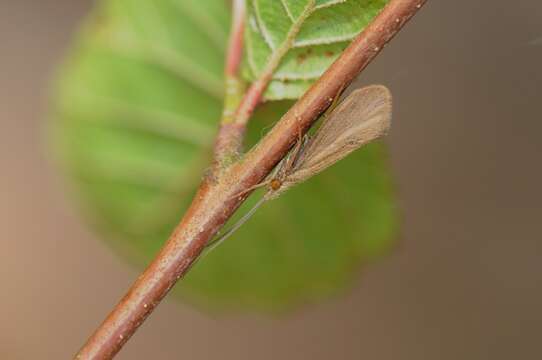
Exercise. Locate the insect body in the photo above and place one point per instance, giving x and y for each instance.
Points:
(364, 116)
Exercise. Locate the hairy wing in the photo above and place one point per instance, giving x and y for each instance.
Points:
(362, 117)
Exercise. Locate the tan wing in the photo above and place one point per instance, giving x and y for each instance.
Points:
(362, 117)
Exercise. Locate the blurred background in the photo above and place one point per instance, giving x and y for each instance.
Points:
(465, 281)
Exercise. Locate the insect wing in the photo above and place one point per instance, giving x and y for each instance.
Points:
(362, 117)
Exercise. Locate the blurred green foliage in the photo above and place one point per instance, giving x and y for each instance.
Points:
(137, 106)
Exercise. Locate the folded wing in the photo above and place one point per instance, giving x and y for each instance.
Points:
(362, 117)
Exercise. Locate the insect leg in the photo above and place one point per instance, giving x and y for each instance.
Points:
(214, 243)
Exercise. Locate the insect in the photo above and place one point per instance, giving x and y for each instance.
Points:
(364, 116)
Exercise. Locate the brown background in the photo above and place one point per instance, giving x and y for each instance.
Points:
(465, 283)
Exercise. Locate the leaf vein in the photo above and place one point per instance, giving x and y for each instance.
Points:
(250, 48)
(172, 62)
(324, 41)
(264, 32)
(328, 4)
(206, 25)
(288, 11)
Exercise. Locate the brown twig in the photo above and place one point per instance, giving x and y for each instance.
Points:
(215, 200)
(235, 44)
(229, 139)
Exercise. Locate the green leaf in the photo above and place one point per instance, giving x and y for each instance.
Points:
(136, 109)
(307, 36)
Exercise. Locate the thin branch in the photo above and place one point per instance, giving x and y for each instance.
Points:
(230, 135)
(235, 45)
(255, 92)
(215, 201)
(238, 111)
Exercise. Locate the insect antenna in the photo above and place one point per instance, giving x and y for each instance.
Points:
(214, 243)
